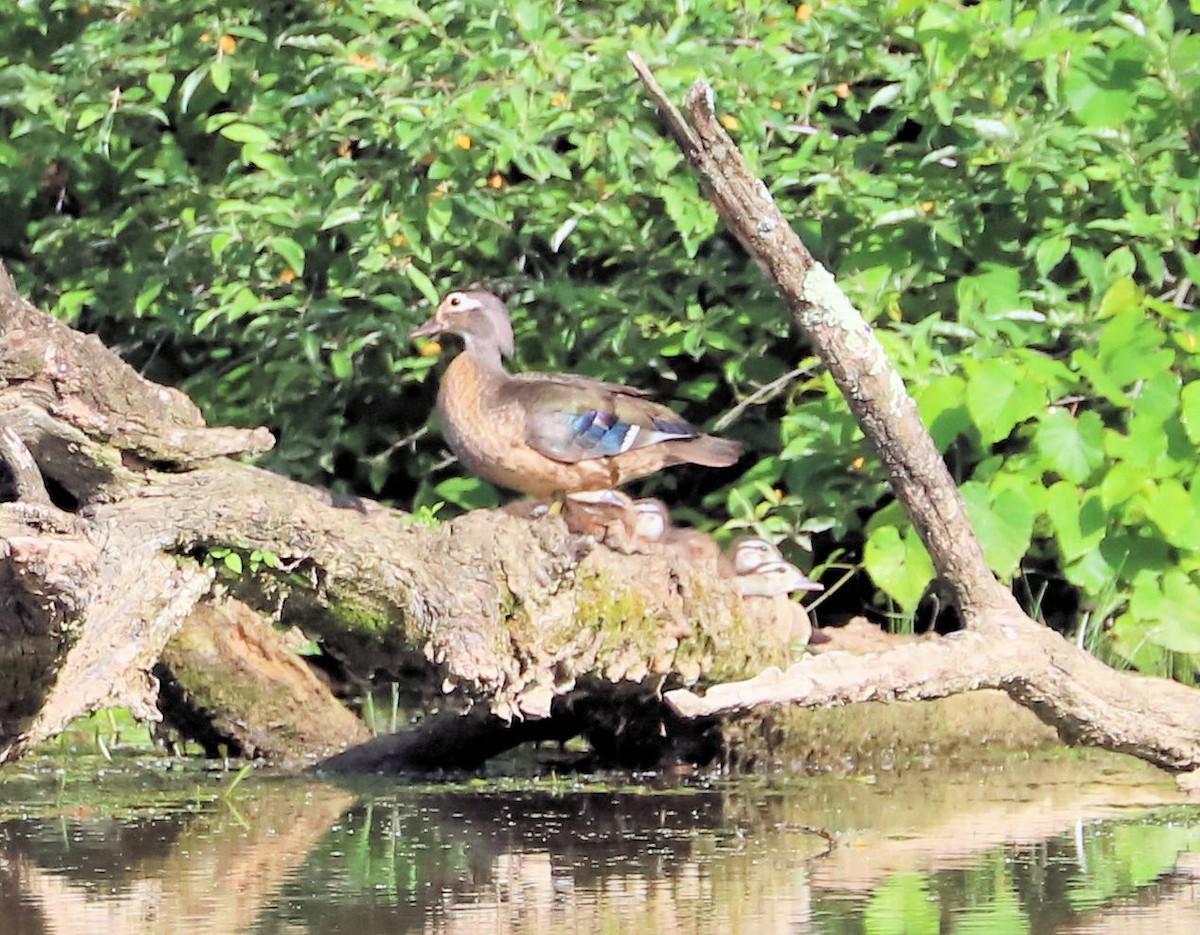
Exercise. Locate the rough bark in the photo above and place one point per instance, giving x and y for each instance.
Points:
(1086, 701)
(229, 678)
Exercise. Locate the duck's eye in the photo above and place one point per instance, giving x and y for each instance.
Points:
(455, 301)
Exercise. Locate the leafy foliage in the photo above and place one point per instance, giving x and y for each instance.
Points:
(258, 201)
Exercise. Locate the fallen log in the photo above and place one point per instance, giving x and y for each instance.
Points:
(135, 555)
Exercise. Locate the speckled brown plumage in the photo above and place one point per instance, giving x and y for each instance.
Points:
(549, 434)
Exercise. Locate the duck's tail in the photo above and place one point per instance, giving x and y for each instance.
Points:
(707, 450)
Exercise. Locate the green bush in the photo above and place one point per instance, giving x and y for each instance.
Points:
(258, 201)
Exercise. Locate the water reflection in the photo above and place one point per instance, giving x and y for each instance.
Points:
(1062, 846)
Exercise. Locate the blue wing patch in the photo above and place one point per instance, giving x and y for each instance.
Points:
(605, 434)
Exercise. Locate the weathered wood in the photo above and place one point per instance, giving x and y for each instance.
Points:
(228, 678)
(507, 611)
(1086, 701)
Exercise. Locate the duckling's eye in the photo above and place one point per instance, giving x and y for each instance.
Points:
(455, 301)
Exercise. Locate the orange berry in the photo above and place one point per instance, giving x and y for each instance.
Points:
(432, 349)
(842, 90)
(927, 206)
(804, 12)
(288, 275)
(858, 463)
(206, 37)
(227, 44)
(496, 180)
(729, 122)
(345, 148)
(462, 141)
(777, 104)
(558, 100)
(368, 62)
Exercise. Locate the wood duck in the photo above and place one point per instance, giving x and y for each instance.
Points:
(639, 526)
(760, 572)
(611, 517)
(550, 434)
(759, 568)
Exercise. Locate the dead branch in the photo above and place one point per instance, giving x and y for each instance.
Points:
(1083, 699)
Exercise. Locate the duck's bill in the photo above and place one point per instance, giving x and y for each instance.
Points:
(431, 329)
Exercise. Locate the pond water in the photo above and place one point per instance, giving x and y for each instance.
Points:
(1055, 843)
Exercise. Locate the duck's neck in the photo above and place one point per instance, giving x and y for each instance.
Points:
(485, 355)
(473, 378)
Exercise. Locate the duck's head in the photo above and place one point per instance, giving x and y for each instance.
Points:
(750, 552)
(478, 317)
(774, 577)
(651, 519)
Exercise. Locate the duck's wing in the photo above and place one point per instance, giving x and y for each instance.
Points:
(571, 419)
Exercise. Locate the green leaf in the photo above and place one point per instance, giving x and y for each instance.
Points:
(1000, 396)
(1169, 506)
(339, 216)
(1100, 87)
(91, 116)
(1050, 252)
(1079, 520)
(942, 409)
(898, 564)
(423, 283)
(469, 493)
(1173, 605)
(190, 85)
(220, 75)
(160, 84)
(245, 133)
(1190, 397)
(341, 362)
(291, 252)
(1096, 374)
(1071, 447)
(437, 217)
(1121, 482)
(1003, 523)
(233, 561)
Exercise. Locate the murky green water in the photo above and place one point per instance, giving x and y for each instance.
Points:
(1031, 845)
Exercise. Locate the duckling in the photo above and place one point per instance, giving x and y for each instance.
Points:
(761, 574)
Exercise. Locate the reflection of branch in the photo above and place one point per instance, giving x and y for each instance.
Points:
(221, 871)
(938, 829)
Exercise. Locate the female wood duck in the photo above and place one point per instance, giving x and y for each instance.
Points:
(550, 434)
